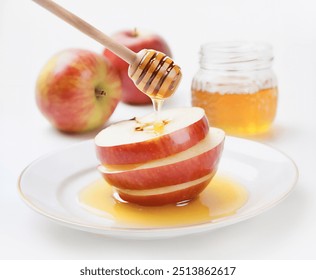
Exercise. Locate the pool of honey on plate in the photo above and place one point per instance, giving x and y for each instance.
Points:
(238, 113)
(221, 198)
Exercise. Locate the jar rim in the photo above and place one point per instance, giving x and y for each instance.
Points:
(236, 55)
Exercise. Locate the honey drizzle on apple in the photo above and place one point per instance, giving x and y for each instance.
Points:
(157, 104)
(221, 198)
(158, 124)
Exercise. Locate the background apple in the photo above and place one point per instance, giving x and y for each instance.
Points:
(78, 90)
(135, 40)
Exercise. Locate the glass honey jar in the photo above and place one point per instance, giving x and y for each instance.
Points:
(236, 86)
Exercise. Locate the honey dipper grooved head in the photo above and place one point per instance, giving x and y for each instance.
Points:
(155, 74)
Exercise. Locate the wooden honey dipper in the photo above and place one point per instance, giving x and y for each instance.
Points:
(154, 73)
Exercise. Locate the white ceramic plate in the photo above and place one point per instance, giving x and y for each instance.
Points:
(50, 186)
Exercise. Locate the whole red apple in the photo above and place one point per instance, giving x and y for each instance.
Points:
(78, 90)
(135, 40)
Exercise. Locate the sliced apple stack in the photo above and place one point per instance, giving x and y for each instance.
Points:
(154, 161)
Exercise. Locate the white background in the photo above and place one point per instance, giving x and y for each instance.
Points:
(29, 36)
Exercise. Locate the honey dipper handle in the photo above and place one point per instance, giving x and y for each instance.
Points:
(120, 50)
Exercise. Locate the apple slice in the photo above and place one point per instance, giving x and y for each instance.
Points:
(191, 164)
(138, 141)
(172, 194)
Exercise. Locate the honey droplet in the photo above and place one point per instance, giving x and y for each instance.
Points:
(157, 104)
(159, 127)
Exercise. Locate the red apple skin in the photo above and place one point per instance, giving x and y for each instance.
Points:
(167, 198)
(66, 90)
(155, 148)
(167, 175)
(136, 41)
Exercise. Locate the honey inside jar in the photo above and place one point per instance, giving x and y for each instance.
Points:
(236, 87)
(238, 113)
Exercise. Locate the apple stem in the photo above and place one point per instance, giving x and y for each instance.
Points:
(99, 92)
(135, 32)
